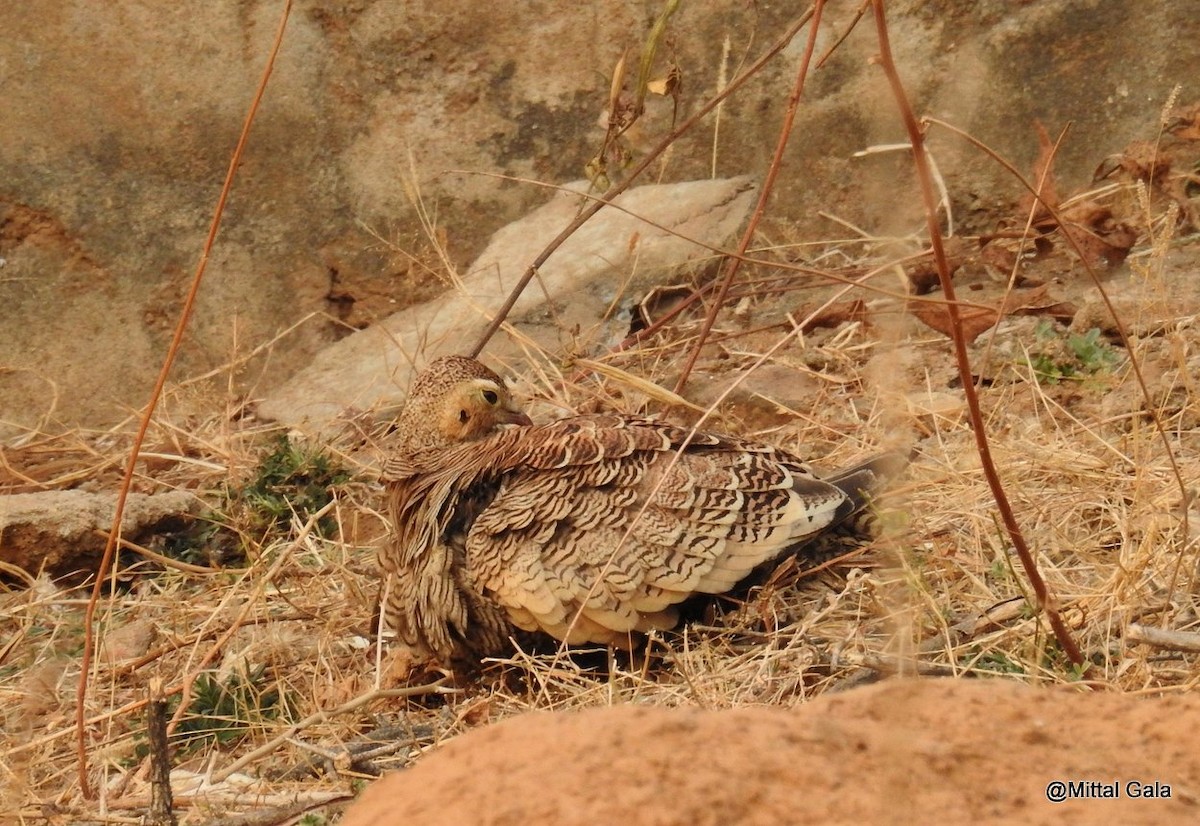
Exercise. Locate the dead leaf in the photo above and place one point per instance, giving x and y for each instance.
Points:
(1185, 123)
(1102, 240)
(833, 315)
(1107, 250)
(1155, 164)
(1062, 311)
(1000, 257)
(667, 85)
(975, 320)
(1020, 299)
(1043, 179)
(1038, 301)
(478, 712)
(1139, 161)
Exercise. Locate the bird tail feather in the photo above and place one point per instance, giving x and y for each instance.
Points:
(862, 482)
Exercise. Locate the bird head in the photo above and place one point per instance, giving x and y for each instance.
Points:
(454, 400)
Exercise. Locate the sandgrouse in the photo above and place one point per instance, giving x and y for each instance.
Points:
(588, 528)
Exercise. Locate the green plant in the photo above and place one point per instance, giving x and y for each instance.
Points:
(1000, 571)
(290, 480)
(1063, 357)
(221, 713)
(995, 662)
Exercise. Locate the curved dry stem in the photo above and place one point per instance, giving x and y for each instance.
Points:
(1135, 365)
(764, 193)
(185, 314)
(1047, 601)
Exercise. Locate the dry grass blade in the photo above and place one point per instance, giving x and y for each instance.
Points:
(326, 715)
(285, 695)
(651, 389)
(1134, 362)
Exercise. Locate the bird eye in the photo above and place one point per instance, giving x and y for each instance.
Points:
(490, 396)
(463, 416)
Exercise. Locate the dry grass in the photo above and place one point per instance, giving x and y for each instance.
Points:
(280, 656)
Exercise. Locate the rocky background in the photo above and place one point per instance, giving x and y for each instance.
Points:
(119, 120)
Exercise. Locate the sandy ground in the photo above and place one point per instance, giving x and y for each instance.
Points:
(901, 751)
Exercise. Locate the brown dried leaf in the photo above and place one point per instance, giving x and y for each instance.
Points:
(1087, 214)
(1140, 161)
(478, 712)
(833, 315)
(975, 320)
(1043, 178)
(1038, 301)
(1021, 299)
(1155, 164)
(1102, 249)
(1062, 311)
(669, 84)
(1185, 123)
(1102, 240)
(999, 256)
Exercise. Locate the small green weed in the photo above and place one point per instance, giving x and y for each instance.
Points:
(1000, 572)
(1069, 357)
(222, 713)
(995, 662)
(290, 480)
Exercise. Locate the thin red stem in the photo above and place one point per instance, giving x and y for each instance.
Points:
(185, 315)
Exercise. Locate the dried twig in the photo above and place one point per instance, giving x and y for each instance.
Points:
(288, 813)
(260, 585)
(1188, 641)
(165, 561)
(764, 195)
(1047, 601)
(162, 811)
(185, 314)
(1119, 325)
(438, 687)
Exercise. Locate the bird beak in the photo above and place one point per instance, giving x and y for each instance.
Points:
(507, 416)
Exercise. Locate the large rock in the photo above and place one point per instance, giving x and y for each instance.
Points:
(62, 531)
(647, 234)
